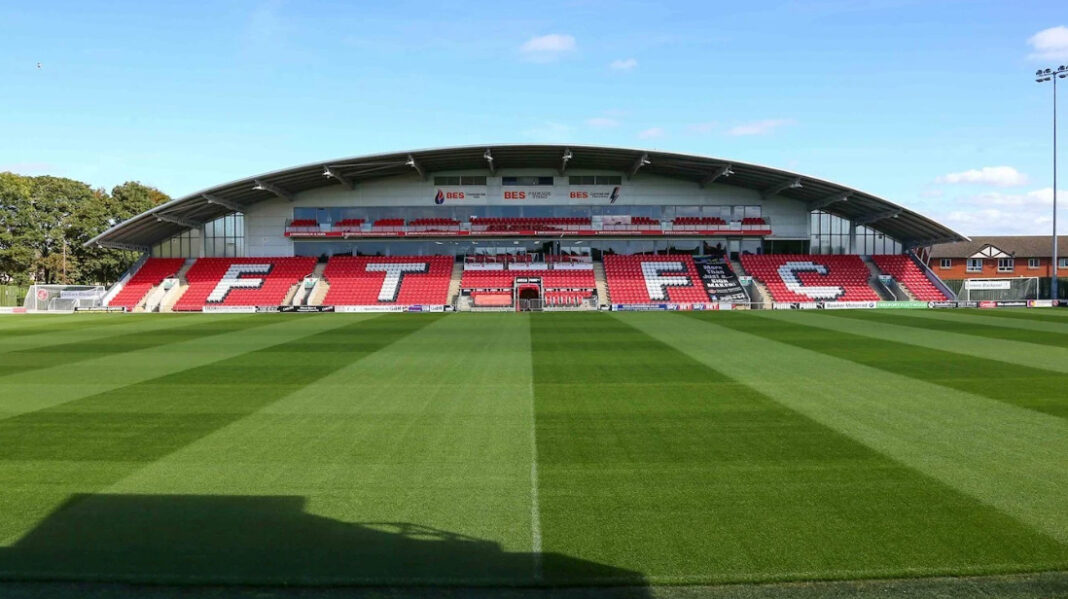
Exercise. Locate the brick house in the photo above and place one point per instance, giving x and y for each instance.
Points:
(998, 256)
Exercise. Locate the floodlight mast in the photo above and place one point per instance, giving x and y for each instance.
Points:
(1041, 76)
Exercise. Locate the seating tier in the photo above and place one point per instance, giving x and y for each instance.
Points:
(907, 273)
(807, 278)
(151, 273)
(652, 279)
(242, 281)
(399, 280)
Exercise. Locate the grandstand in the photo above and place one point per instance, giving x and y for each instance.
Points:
(521, 227)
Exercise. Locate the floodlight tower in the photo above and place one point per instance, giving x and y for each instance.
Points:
(1041, 76)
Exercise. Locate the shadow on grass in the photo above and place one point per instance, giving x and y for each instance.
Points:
(269, 540)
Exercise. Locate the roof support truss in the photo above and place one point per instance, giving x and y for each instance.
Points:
(781, 187)
(342, 179)
(723, 170)
(875, 217)
(642, 160)
(564, 160)
(230, 205)
(827, 201)
(488, 156)
(418, 167)
(278, 191)
(184, 222)
(118, 245)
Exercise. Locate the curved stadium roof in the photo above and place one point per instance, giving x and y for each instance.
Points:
(163, 221)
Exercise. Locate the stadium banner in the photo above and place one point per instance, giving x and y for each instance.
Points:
(967, 304)
(673, 307)
(391, 308)
(903, 305)
(573, 266)
(988, 304)
(305, 309)
(986, 285)
(229, 309)
(12, 310)
(849, 305)
(451, 193)
(944, 304)
(597, 192)
(527, 193)
(1040, 303)
(80, 294)
(487, 266)
(101, 309)
(745, 280)
(795, 305)
(1011, 303)
(720, 282)
(528, 266)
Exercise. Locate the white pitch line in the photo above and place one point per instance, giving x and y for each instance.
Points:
(535, 510)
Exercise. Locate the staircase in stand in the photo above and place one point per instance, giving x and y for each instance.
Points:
(175, 293)
(759, 296)
(602, 285)
(454, 282)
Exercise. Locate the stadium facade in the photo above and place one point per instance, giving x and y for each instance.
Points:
(560, 226)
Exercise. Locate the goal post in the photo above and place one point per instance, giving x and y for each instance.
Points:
(999, 289)
(63, 298)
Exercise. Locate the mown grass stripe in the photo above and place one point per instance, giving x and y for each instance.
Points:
(27, 326)
(1024, 386)
(1006, 456)
(999, 332)
(988, 318)
(87, 444)
(431, 432)
(665, 467)
(150, 334)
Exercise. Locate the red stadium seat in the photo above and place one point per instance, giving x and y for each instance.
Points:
(653, 279)
(909, 275)
(151, 273)
(805, 278)
(242, 281)
(393, 280)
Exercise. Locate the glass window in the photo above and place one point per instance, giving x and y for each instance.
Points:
(946, 263)
(1006, 265)
(526, 181)
(975, 265)
(1032, 263)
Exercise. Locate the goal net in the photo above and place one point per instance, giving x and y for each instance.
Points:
(63, 298)
(1002, 289)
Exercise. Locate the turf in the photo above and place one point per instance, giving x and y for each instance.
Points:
(530, 450)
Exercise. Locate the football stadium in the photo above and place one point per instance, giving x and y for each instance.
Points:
(518, 367)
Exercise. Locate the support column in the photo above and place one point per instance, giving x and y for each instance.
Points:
(203, 250)
(852, 237)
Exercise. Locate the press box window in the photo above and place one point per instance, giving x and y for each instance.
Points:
(594, 180)
(464, 180)
(526, 181)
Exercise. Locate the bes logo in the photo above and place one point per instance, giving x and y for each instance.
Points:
(439, 197)
(615, 195)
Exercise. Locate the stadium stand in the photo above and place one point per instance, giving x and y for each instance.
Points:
(433, 224)
(151, 273)
(400, 280)
(487, 299)
(698, 222)
(810, 278)
(907, 273)
(579, 280)
(348, 225)
(530, 224)
(242, 281)
(649, 279)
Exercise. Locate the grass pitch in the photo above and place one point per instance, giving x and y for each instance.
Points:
(529, 450)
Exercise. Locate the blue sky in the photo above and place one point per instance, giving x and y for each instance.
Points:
(932, 105)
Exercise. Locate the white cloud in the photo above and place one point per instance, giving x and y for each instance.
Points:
(998, 213)
(549, 131)
(1000, 176)
(623, 64)
(763, 127)
(1050, 44)
(547, 48)
(602, 122)
(651, 133)
(702, 128)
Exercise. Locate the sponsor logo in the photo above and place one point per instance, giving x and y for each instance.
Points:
(1040, 304)
(849, 305)
(229, 309)
(986, 305)
(941, 304)
(1011, 304)
(986, 285)
(615, 194)
(42, 294)
(901, 305)
(439, 197)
